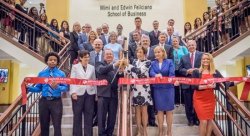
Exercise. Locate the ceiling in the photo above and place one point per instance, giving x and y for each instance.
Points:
(5, 56)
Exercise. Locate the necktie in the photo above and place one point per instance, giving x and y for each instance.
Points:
(170, 40)
(97, 57)
(84, 68)
(50, 88)
(156, 33)
(192, 59)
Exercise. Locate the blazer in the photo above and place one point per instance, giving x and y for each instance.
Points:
(77, 71)
(102, 37)
(74, 42)
(168, 48)
(92, 55)
(131, 40)
(185, 64)
(154, 39)
(82, 38)
(198, 74)
(132, 52)
(88, 46)
(107, 71)
(167, 70)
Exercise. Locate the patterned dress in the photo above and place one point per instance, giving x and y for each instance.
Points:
(141, 93)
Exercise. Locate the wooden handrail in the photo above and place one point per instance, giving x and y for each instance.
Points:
(23, 116)
(239, 105)
(231, 118)
(214, 19)
(33, 20)
(10, 109)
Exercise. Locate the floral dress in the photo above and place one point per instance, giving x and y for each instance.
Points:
(141, 93)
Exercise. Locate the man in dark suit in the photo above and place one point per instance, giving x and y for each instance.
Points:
(168, 48)
(132, 47)
(138, 23)
(105, 35)
(107, 95)
(188, 63)
(153, 35)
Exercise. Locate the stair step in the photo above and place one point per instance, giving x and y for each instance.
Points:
(67, 110)
(178, 119)
(178, 130)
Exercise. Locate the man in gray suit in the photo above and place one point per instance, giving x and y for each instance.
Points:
(188, 63)
(168, 48)
(97, 54)
(138, 23)
(95, 57)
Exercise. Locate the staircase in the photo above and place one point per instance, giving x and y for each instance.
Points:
(180, 127)
(22, 119)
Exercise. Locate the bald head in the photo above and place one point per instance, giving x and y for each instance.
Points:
(98, 45)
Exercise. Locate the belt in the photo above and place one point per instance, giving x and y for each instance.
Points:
(51, 98)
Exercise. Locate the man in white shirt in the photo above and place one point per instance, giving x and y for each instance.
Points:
(105, 36)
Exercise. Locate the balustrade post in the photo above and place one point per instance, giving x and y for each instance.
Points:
(24, 121)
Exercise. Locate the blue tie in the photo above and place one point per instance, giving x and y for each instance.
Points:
(50, 88)
(97, 57)
(170, 41)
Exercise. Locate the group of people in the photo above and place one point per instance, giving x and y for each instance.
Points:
(229, 25)
(99, 55)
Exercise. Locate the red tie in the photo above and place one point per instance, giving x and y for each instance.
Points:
(192, 60)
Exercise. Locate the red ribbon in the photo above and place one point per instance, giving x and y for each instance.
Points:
(190, 81)
(72, 81)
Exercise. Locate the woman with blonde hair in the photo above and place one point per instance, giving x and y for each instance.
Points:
(204, 98)
(114, 46)
(163, 93)
(89, 45)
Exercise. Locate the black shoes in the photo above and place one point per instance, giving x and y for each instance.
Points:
(190, 123)
(152, 124)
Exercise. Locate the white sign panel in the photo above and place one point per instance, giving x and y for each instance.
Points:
(113, 12)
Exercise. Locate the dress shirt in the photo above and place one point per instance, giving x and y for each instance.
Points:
(100, 55)
(45, 87)
(190, 55)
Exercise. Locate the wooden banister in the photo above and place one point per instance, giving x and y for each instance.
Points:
(231, 118)
(214, 19)
(10, 109)
(33, 20)
(239, 105)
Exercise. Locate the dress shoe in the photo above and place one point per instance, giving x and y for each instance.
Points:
(197, 123)
(190, 123)
(153, 124)
(94, 124)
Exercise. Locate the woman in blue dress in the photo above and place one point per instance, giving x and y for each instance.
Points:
(163, 93)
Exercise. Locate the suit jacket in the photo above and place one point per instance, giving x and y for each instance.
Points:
(168, 48)
(132, 52)
(74, 42)
(92, 55)
(102, 37)
(154, 39)
(185, 64)
(131, 40)
(107, 71)
(167, 70)
(77, 71)
(82, 38)
(217, 74)
(88, 46)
